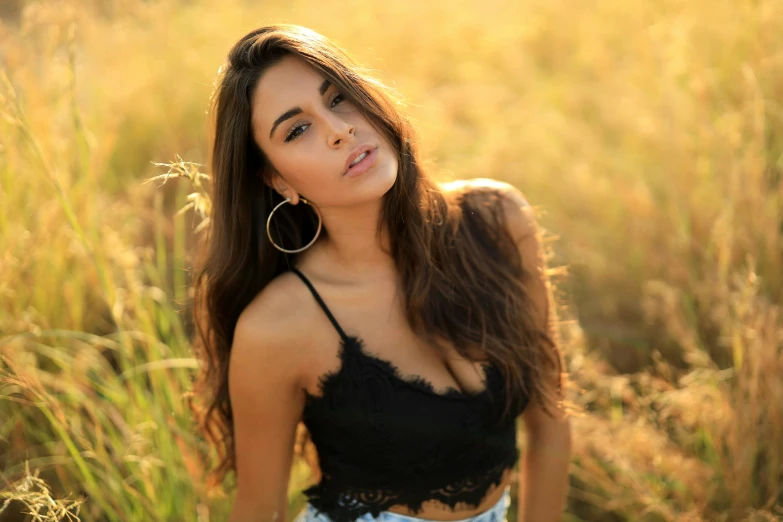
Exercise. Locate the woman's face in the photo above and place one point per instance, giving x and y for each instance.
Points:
(309, 132)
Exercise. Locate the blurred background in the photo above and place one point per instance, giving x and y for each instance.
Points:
(648, 135)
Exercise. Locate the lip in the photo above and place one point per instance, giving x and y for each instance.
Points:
(364, 165)
(355, 153)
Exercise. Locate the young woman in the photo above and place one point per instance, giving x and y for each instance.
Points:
(405, 323)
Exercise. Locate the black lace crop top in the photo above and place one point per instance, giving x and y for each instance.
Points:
(384, 440)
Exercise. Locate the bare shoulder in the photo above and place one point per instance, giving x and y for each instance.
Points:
(269, 329)
(475, 183)
(487, 195)
(280, 301)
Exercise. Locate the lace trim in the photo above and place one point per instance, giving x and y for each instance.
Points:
(346, 503)
(354, 345)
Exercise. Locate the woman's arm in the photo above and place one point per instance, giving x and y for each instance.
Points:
(267, 399)
(543, 480)
(543, 473)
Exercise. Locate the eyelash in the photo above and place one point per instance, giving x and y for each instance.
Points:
(290, 136)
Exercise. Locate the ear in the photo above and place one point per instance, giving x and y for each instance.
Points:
(276, 181)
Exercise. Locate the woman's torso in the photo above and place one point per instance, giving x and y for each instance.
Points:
(374, 310)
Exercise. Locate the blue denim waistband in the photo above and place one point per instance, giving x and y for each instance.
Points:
(496, 513)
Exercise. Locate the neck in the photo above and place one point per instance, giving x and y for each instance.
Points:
(354, 245)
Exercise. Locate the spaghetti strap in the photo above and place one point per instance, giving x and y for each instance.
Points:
(320, 302)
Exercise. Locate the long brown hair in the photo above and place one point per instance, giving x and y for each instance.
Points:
(461, 271)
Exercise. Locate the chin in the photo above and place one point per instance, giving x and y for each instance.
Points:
(383, 175)
(389, 177)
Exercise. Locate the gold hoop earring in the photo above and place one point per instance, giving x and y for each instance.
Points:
(308, 245)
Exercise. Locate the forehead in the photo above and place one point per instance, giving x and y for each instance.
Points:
(287, 84)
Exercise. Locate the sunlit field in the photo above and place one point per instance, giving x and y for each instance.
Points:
(648, 135)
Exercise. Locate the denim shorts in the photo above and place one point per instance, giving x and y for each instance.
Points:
(496, 513)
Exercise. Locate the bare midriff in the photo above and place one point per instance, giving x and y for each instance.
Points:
(434, 510)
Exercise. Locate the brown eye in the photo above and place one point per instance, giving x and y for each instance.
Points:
(294, 132)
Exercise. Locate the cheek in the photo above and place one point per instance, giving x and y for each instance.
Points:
(304, 161)
(302, 167)
(391, 154)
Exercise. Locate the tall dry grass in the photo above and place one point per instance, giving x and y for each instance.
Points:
(651, 136)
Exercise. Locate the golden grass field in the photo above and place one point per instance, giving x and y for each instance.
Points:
(649, 135)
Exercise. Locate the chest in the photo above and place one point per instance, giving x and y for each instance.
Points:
(376, 318)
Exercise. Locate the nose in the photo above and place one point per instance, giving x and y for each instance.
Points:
(339, 131)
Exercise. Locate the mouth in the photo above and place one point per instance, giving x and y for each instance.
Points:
(363, 162)
(358, 155)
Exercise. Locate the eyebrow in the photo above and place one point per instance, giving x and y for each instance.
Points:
(290, 113)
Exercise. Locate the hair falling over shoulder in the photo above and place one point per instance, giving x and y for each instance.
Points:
(461, 271)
